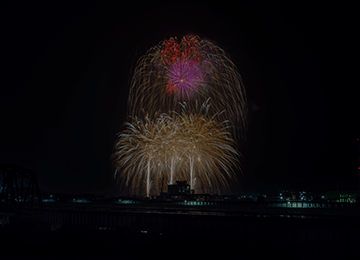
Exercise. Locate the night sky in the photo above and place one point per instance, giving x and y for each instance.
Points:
(66, 71)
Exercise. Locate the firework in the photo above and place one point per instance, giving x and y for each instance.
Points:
(186, 78)
(190, 71)
(189, 145)
(208, 151)
(169, 136)
(137, 153)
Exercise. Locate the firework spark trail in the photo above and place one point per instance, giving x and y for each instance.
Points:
(208, 151)
(192, 70)
(190, 145)
(140, 153)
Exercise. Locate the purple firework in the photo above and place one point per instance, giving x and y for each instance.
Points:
(187, 76)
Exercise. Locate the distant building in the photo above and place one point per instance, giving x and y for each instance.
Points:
(301, 195)
(285, 195)
(317, 195)
(349, 196)
(181, 187)
(248, 195)
(203, 197)
(179, 191)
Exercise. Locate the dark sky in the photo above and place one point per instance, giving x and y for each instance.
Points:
(66, 72)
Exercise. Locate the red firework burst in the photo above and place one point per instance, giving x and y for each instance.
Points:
(187, 49)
